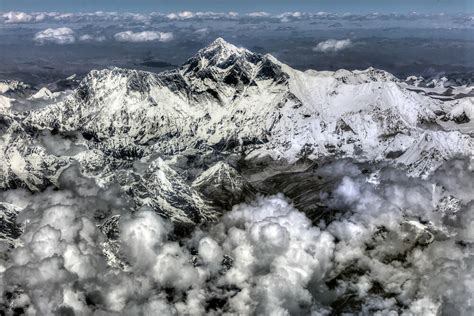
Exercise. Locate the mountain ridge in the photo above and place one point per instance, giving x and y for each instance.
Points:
(224, 104)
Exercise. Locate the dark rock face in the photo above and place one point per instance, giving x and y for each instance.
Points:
(10, 230)
(138, 83)
(83, 93)
(270, 70)
(458, 119)
(224, 186)
(394, 154)
(461, 119)
(300, 187)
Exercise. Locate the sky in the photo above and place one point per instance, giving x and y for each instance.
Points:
(272, 6)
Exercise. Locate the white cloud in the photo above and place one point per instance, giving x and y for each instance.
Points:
(181, 15)
(17, 17)
(91, 38)
(260, 14)
(62, 35)
(390, 252)
(186, 15)
(333, 45)
(40, 17)
(276, 254)
(156, 17)
(64, 16)
(145, 36)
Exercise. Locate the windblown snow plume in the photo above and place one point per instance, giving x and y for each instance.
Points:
(392, 245)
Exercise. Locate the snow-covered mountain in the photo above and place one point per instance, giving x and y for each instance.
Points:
(441, 88)
(176, 140)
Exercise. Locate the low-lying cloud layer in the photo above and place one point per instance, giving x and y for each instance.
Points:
(333, 45)
(370, 20)
(392, 245)
(21, 17)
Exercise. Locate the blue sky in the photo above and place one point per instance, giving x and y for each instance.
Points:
(272, 6)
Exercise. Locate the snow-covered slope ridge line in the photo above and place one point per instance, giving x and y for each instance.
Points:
(228, 97)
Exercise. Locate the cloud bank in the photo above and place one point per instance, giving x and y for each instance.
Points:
(62, 35)
(332, 45)
(413, 19)
(393, 245)
(145, 36)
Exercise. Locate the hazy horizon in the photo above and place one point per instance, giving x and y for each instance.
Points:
(245, 6)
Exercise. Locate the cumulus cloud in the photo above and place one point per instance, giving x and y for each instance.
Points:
(332, 45)
(62, 35)
(145, 36)
(277, 256)
(17, 17)
(393, 245)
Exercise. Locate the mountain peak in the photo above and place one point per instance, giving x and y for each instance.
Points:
(220, 54)
(222, 45)
(220, 51)
(220, 41)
